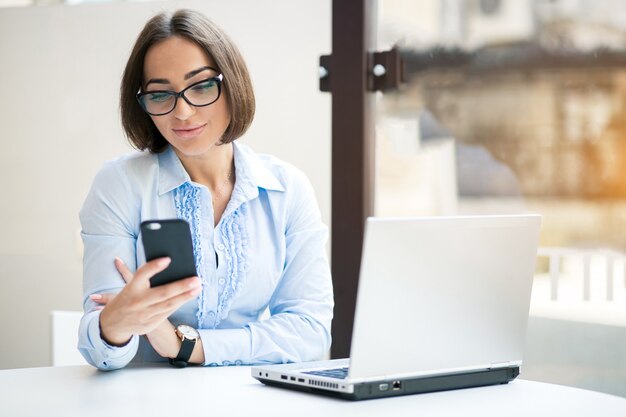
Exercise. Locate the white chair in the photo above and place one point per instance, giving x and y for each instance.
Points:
(64, 351)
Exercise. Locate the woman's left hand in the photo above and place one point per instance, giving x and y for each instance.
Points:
(163, 339)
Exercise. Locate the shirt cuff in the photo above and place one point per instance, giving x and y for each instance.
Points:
(108, 357)
(224, 347)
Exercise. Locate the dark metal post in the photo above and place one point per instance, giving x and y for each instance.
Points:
(353, 26)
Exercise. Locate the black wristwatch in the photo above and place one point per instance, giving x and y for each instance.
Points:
(188, 336)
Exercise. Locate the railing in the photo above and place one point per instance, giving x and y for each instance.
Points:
(557, 254)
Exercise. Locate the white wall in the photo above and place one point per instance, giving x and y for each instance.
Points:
(60, 68)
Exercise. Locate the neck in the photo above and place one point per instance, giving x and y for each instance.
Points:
(211, 168)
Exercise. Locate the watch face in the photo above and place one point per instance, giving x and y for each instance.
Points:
(188, 331)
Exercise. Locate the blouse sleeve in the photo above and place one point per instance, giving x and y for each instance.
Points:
(107, 232)
(301, 306)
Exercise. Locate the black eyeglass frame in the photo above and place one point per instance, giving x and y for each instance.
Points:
(219, 78)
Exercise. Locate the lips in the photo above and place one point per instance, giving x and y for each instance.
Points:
(190, 131)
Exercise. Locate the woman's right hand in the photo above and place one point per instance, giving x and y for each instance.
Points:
(139, 309)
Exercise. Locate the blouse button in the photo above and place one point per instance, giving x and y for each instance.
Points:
(238, 362)
(211, 314)
(221, 246)
(222, 281)
(226, 363)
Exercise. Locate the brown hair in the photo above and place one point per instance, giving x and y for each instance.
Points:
(192, 25)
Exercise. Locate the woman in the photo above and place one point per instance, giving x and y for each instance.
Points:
(186, 96)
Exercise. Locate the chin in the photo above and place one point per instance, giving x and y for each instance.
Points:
(191, 148)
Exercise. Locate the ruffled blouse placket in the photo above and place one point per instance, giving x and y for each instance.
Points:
(228, 241)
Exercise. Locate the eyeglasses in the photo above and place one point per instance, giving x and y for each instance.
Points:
(200, 94)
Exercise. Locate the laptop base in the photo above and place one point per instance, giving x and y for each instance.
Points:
(384, 389)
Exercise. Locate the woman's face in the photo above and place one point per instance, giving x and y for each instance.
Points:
(174, 64)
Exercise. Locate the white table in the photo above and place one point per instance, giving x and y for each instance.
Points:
(165, 391)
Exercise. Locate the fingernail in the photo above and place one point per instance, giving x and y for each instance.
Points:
(195, 283)
(195, 292)
(118, 259)
(99, 308)
(164, 262)
(95, 297)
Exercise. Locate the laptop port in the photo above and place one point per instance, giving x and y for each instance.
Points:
(293, 378)
(301, 380)
(396, 385)
(283, 377)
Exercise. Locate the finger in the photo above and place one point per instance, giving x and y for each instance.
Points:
(148, 270)
(170, 305)
(95, 297)
(171, 290)
(123, 270)
(102, 298)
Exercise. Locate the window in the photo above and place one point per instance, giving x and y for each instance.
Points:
(516, 107)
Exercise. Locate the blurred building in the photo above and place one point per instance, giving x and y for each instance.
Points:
(539, 84)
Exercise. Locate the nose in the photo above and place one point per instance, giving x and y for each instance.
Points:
(183, 110)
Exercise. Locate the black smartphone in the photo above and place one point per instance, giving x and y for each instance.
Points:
(169, 238)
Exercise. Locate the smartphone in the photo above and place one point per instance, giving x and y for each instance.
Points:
(170, 238)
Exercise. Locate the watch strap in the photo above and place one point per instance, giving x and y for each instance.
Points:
(184, 354)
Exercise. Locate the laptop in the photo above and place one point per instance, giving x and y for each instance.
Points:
(442, 304)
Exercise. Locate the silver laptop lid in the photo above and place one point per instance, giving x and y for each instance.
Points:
(443, 294)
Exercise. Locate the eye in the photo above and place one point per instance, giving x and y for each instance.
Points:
(205, 86)
(158, 97)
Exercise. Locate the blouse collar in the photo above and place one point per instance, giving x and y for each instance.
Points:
(250, 171)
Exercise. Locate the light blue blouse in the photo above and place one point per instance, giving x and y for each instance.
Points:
(267, 251)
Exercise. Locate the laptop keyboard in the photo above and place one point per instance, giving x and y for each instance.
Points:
(338, 373)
